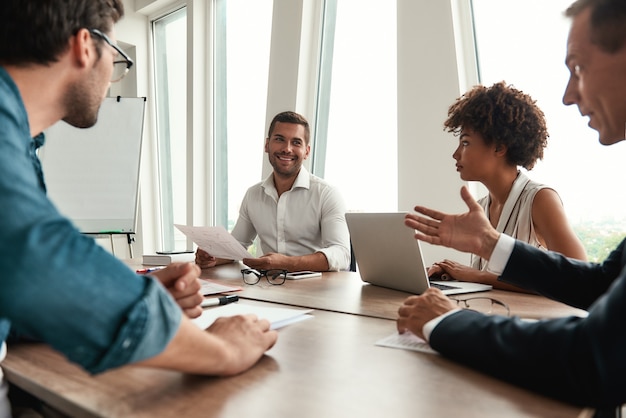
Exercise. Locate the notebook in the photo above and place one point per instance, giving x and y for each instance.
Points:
(388, 255)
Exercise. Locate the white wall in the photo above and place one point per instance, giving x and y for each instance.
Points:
(428, 83)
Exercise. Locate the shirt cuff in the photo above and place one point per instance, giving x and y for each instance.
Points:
(430, 325)
(500, 255)
(337, 258)
(149, 327)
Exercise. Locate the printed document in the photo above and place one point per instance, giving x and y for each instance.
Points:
(211, 287)
(278, 317)
(215, 240)
(406, 341)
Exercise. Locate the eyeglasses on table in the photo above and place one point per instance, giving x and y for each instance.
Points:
(484, 305)
(273, 276)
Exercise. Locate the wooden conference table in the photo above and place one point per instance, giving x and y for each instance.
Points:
(327, 366)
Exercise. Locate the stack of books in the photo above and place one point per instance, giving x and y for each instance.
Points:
(165, 259)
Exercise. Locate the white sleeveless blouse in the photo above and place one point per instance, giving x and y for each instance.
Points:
(516, 219)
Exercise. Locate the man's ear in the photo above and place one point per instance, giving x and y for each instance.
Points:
(267, 145)
(308, 152)
(82, 48)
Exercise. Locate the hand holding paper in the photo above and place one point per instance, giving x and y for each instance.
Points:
(216, 241)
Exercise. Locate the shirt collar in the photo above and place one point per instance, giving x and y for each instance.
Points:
(39, 140)
(303, 181)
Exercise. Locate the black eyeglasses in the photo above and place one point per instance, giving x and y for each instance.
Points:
(484, 305)
(274, 276)
(120, 68)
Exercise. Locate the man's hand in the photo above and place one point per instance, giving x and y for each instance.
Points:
(181, 280)
(231, 345)
(418, 310)
(268, 261)
(204, 259)
(468, 232)
(246, 337)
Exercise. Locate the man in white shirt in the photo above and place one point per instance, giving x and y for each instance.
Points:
(298, 217)
(577, 360)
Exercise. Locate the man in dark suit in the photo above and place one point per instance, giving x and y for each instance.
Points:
(577, 360)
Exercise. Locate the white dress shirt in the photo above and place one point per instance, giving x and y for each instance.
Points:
(308, 218)
(497, 263)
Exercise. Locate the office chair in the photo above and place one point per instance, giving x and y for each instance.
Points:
(352, 258)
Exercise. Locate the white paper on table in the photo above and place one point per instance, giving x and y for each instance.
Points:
(406, 341)
(215, 240)
(277, 316)
(211, 287)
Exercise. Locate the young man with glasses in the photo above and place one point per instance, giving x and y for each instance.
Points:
(298, 217)
(58, 286)
(577, 360)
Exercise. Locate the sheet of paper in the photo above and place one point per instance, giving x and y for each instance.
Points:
(216, 241)
(406, 341)
(278, 317)
(210, 287)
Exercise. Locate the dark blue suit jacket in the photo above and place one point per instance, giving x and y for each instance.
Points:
(577, 360)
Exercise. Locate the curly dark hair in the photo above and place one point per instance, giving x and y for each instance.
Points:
(502, 115)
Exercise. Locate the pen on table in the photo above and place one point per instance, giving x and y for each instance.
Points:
(144, 271)
(224, 300)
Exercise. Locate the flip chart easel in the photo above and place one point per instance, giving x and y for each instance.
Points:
(92, 175)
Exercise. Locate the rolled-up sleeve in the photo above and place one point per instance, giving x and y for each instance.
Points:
(335, 234)
(150, 325)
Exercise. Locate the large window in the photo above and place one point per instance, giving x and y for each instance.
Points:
(361, 141)
(356, 130)
(171, 86)
(240, 39)
(529, 52)
(242, 65)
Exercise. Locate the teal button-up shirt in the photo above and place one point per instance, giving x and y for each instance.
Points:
(56, 284)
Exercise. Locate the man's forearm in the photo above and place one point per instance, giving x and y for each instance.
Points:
(191, 351)
(314, 262)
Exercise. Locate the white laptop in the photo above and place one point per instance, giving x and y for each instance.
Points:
(387, 254)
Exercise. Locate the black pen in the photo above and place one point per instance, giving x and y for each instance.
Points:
(224, 300)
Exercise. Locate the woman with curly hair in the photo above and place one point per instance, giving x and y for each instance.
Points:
(500, 129)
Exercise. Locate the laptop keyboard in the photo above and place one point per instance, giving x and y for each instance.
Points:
(441, 286)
